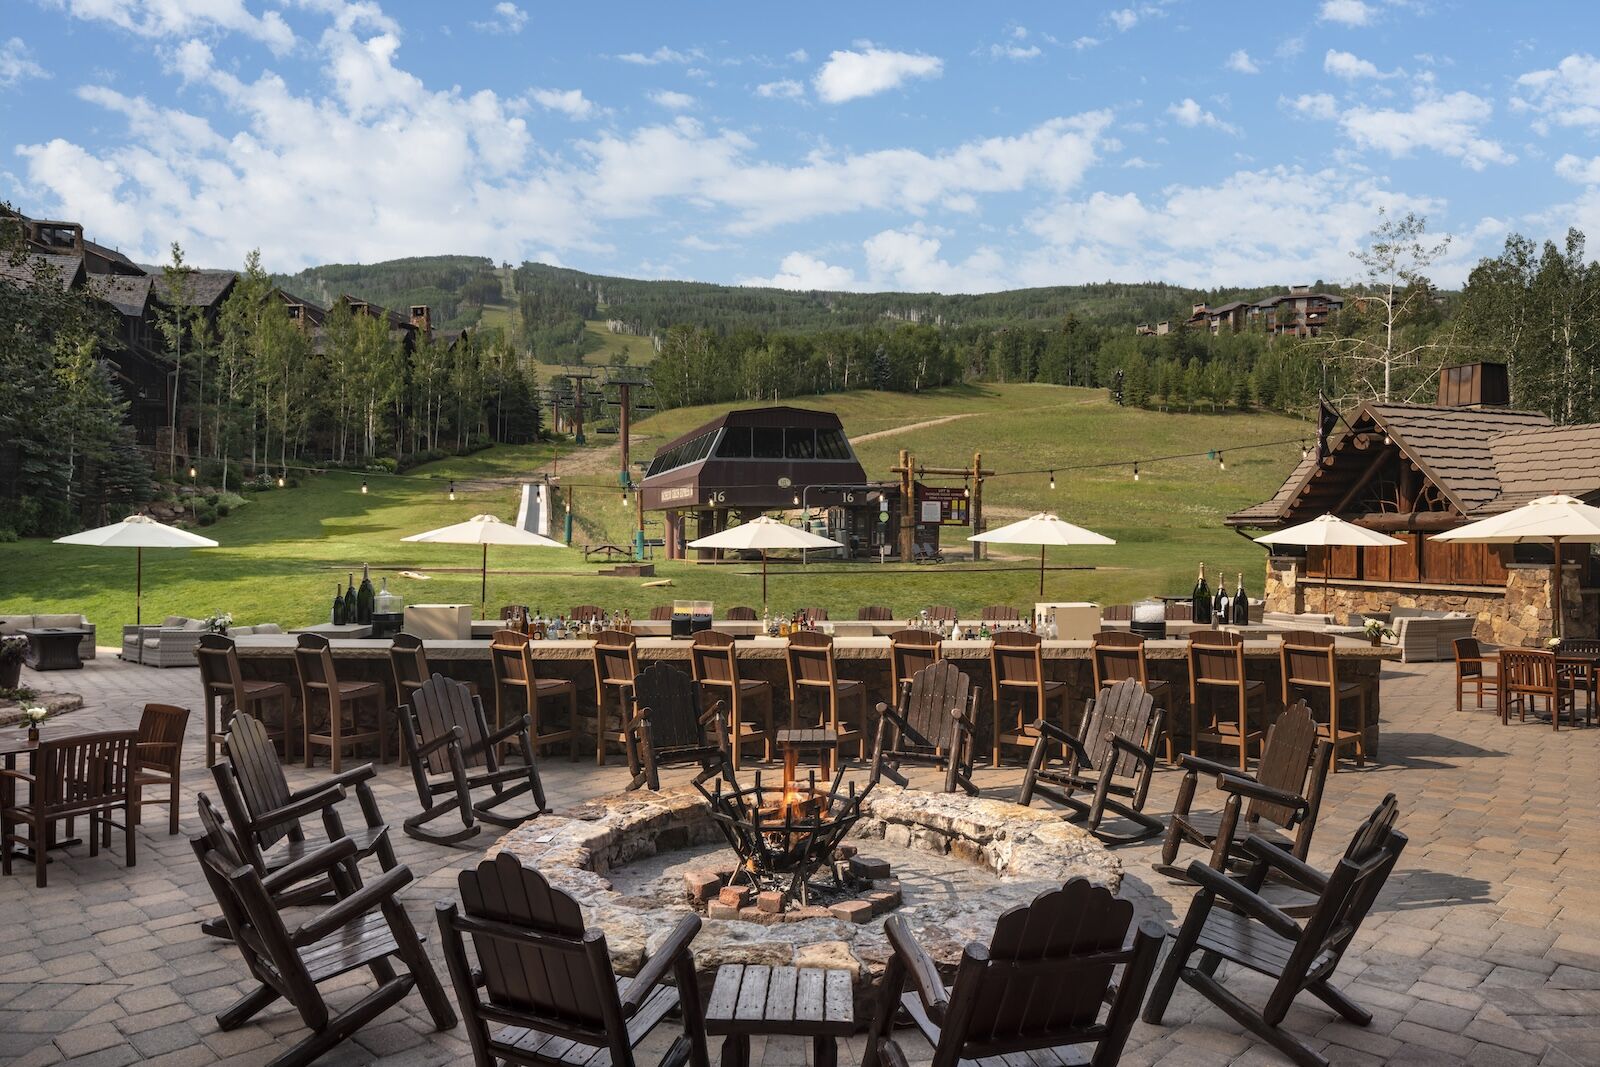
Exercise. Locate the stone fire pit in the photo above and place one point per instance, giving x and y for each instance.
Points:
(960, 863)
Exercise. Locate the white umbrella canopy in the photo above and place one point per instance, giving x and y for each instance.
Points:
(1042, 529)
(1548, 520)
(485, 530)
(1328, 531)
(137, 532)
(763, 533)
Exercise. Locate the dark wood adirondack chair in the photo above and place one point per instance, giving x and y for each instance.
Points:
(1114, 759)
(453, 751)
(266, 814)
(1029, 998)
(667, 728)
(544, 991)
(1252, 933)
(88, 774)
(932, 726)
(1284, 796)
(367, 927)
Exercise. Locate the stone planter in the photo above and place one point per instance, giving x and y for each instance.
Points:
(11, 674)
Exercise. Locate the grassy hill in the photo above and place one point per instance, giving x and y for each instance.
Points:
(457, 288)
(281, 553)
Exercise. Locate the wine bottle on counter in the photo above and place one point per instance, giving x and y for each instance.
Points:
(337, 618)
(1219, 604)
(1202, 599)
(1241, 603)
(365, 598)
(350, 598)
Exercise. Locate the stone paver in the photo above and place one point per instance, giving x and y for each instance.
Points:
(1485, 948)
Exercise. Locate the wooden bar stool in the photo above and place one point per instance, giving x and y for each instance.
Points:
(313, 662)
(909, 652)
(874, 613)
(940, 613)
(1000, 613)
(715, 665)
(811, 668)
(616, 663)
(1309, 667)
(1118, 655)
(1017, 669)
(228, 692)
(1216, 667)
(586, 613)
(157, 760)
(409, 662)
(518, 690)
(741, 614)
(661, 613)
(1474, 668)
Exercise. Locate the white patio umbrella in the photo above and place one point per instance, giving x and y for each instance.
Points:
(137, 532)
(1043, 530)
(1328, 531)
(1549, 520)
(763, 533)
(485, 530)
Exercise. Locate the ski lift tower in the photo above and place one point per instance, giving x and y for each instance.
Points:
(621, 386)
(578, 375)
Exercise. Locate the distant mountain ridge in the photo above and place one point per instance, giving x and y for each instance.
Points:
(454, 287)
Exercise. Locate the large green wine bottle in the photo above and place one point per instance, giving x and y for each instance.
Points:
(337, 618)
(350, 599)
(365, 597)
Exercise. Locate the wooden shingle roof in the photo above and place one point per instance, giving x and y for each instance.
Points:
(1452, 445)
(27, 270)
(1557, 459)
(128, 293)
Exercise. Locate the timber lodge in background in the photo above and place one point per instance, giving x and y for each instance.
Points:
(1297, 313)
(57, 253)
(1411, 470)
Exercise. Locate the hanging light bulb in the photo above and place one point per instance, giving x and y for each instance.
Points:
(1221, 464)
(193, 473)
(452, 489)
(363, 488)
(1305, 450)
(280, 481)
(1135, 472)
(1052, 479)
(797, 500)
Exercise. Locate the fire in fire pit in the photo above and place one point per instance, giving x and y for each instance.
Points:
(785, 837)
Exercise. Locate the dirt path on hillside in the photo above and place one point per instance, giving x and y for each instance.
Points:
(911, 426)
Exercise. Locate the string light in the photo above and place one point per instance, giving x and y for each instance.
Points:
(1221, 465)
(1052, 479)
(1305, 450)
(363, 488)
(452, 490)
(281, 479)
(1135, 472)
(193, 473)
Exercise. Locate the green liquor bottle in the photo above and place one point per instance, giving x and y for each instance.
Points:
(350, 599)
(365, 598)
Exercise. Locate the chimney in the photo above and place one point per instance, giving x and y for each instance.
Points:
(1199, 309)
(58, 237)
(422, 319)
(1475, 385)
(1299, 290)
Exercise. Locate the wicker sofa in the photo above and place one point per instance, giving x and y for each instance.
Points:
(14, 624)
(1425, 636)
(173, 643)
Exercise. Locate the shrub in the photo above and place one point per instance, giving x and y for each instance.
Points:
(7, 535)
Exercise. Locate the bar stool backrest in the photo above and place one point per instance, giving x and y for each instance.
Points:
(219, 667)
(313, 662)
(1179, 611)
(585, 612)
(1000, 613)
(1308, 662)
(741, 614)
(1216, 657)
(509, 654)
(941, 612)
(1118, 655)
(874, 613)
(819, 614)
(912, 651)
(409, 662)
(661, 613)
(810, 657)
(712, 659)
(615, 658)
(1116, 613)
(1015, 660)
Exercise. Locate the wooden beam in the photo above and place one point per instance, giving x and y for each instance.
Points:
(1419, 521)
(1363, 481)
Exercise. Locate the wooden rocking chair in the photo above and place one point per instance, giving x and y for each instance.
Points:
(366, 927)
(453, 751)
(544, 991)
(933, 727)
(1031, 995)
(1285, 792)
(1115, 759)
(667, 728)
(1252, 933)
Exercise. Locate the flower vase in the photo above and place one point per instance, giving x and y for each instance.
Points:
(33, 734)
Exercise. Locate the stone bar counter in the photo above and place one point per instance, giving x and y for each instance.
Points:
(271, 657)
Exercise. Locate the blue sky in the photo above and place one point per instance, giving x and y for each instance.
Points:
(954, 147)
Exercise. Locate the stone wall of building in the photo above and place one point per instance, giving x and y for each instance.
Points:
(1518, 614)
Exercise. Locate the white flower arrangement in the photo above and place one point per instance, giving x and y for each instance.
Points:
(219, 622)
(1376, 629)
(1554, 642)
(34, 714)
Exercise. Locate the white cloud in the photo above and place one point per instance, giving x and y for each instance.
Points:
(185, 18)
(508, 18)
(1448, 124)
(1188, 112)
(801, 271)
(661, 55)
(1241, 63)
(851, 75)
(570, 102)
(1568, 95)
(1576, 169)
(672, 100)
(799, 55)
(1349, 66)
(191, 60)
(911, 260)
(784, 89)
(16, 63)
(1315, 105)
(1124, 19)
(1347, 12)
(1083, 43)
(1138, 163)
(1014, 51)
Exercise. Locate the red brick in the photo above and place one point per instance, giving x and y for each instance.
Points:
(852, 911)
(736, 896)
(770, 902)
(701, 886)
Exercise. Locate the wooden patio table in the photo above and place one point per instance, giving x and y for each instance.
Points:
(749, 999)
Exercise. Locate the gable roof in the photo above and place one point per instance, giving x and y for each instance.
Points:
(128, 293)
(1557, 459)
(1452, 445)
(27, 269)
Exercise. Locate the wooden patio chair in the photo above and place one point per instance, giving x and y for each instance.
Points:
(1284, 796)
(714, 662)
(874, 613)
(940, 613)
(667, 728)
(342, 699)
(911, 651)
(1475, 668)
(453, 752)
(1308, 666)
(1217, 669)
(812, 670)
(516, 680)
(615, 657)
(1119, 654)
(227, 691)
(1115, 760)
(1016, 666)
(586, 612)
(88, 774)
(1528, 675)
(1000, 613)
(266, 814)
(158, 760)
(366, 928)
(409, 663)
(543, 990)
(933, 726)
(661, 613)
(1582, 676)
(741, 614)
(1033, 996)
(1250, 932)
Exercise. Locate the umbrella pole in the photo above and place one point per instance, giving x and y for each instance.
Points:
(763, 580)
(483, 590)
(138, 587)
(1041, 572)
(1556, 627)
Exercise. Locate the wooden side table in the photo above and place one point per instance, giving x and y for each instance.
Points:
(794, 1001)
(820, 740)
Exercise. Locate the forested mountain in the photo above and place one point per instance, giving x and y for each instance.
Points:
(454, 287)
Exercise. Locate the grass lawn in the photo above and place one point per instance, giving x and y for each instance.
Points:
(282, 552)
